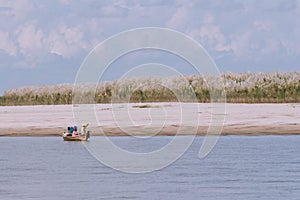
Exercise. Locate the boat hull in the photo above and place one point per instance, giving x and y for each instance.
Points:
(70, 138)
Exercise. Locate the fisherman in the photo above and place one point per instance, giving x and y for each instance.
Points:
(83, 129)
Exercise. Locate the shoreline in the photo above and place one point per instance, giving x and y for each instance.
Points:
(166, 131)
(240, 119)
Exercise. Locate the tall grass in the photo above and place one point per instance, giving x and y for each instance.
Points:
(263, 87)
(240, 88)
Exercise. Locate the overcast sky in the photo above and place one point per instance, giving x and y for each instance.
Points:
(45, 41)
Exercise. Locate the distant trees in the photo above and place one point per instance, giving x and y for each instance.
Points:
(240, 88)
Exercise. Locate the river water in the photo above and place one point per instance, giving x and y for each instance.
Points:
(239, 167)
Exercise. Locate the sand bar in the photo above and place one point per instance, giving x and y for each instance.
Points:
(147, 119)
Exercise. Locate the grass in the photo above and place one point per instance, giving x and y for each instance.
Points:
(240, 88)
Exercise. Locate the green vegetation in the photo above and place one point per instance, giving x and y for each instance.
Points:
(263, 87)
(38, 95)
(240, 88)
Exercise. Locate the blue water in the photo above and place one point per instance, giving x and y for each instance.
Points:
(240, 167)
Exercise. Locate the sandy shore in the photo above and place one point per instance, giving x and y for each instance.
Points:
(152, 119)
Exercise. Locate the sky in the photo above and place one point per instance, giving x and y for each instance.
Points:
(44, 42)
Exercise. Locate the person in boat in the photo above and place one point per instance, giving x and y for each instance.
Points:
(75, 133)
(70, 131)
(83, 129)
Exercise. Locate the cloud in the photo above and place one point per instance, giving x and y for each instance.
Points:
(66, 41)
(263, 25)
(292, 48)
(242, 31)
(179, 19)
(22, 8)
(30, 38)
(210, 35)
(112, 11)
(6, 44)
(234, 32)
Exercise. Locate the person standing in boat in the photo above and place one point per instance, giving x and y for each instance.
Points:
(83, 129)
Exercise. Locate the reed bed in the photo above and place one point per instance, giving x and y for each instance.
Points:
(239, 87)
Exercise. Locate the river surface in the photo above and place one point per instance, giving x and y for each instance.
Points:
(239, 167)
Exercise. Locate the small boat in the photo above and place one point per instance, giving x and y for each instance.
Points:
(72, 135)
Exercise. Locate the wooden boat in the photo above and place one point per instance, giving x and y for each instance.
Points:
(83, 136)
(77, 138)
